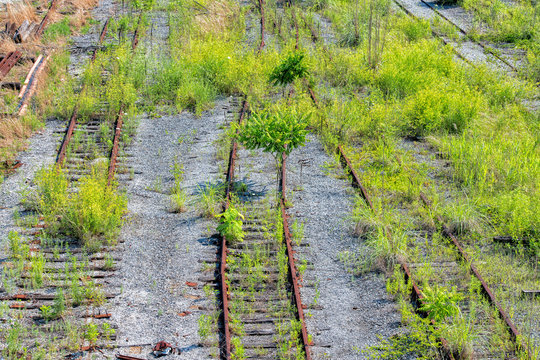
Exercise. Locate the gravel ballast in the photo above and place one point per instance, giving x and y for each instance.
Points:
(345, 314)
(351, 311)
(163, 250)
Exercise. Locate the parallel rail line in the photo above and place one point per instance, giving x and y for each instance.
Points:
(513, 69)
(416, 292)
(226, 351)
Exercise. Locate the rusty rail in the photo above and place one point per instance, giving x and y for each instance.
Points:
(101, 38)
(416, 293)
(261, 7)
(461, 30)
(116, 141)
(226, 350)
(135, 40)
(8, 62)
(45, 20)
(486, 290)
(290, 254)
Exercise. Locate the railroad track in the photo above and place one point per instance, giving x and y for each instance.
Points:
(68, 267)
(262, 312)
(453, 271)
(464, 36)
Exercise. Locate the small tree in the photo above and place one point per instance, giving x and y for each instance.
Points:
(291, 68)
(276, 133)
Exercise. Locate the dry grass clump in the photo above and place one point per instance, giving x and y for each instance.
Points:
(78, 19)
(218, 17)
(12, 133)
(7, 44)
(20, 11)
(84, 4)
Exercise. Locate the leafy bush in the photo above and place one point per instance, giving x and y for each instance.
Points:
(440, 303)
(96, 210)
(277, 133)
(290, 69)
(93, 212)
(230, 225)
(434, 110)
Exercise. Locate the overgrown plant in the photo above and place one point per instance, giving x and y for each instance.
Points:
(277, 133)
(230, 225)
(291, 68)
(94, 212)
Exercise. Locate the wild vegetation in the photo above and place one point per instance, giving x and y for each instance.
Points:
(410, 116)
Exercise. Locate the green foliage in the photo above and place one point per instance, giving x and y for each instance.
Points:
(433, 110)
(91, 333)
(95, 211)
(205, 327)
(178, 194)
(51, 196)
(57, 309)
(209, 198)
(195, 95)
(407, 68)
(239, 352)
(440, 303)
(230, 225)
(47, 312)
(56, 30)
(415, 30)
(277, 133)
(291, 68)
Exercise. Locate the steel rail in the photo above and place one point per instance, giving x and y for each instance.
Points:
(45, 21)
(440, 37)
(290, 254)
(73, 119)
(101, 38)
(486, 290)
(116, 141)
(226, 349)
(119, 118)
(118, 123)
(512, 67)
(8, 62)
(416, 293)
(261, 7)
(135, 40)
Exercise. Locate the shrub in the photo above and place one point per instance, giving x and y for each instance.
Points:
(96, 210)
(277, 133)
(93, 212)
(436, 110)
(440, 303)
(291, 68)
(230, 225)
